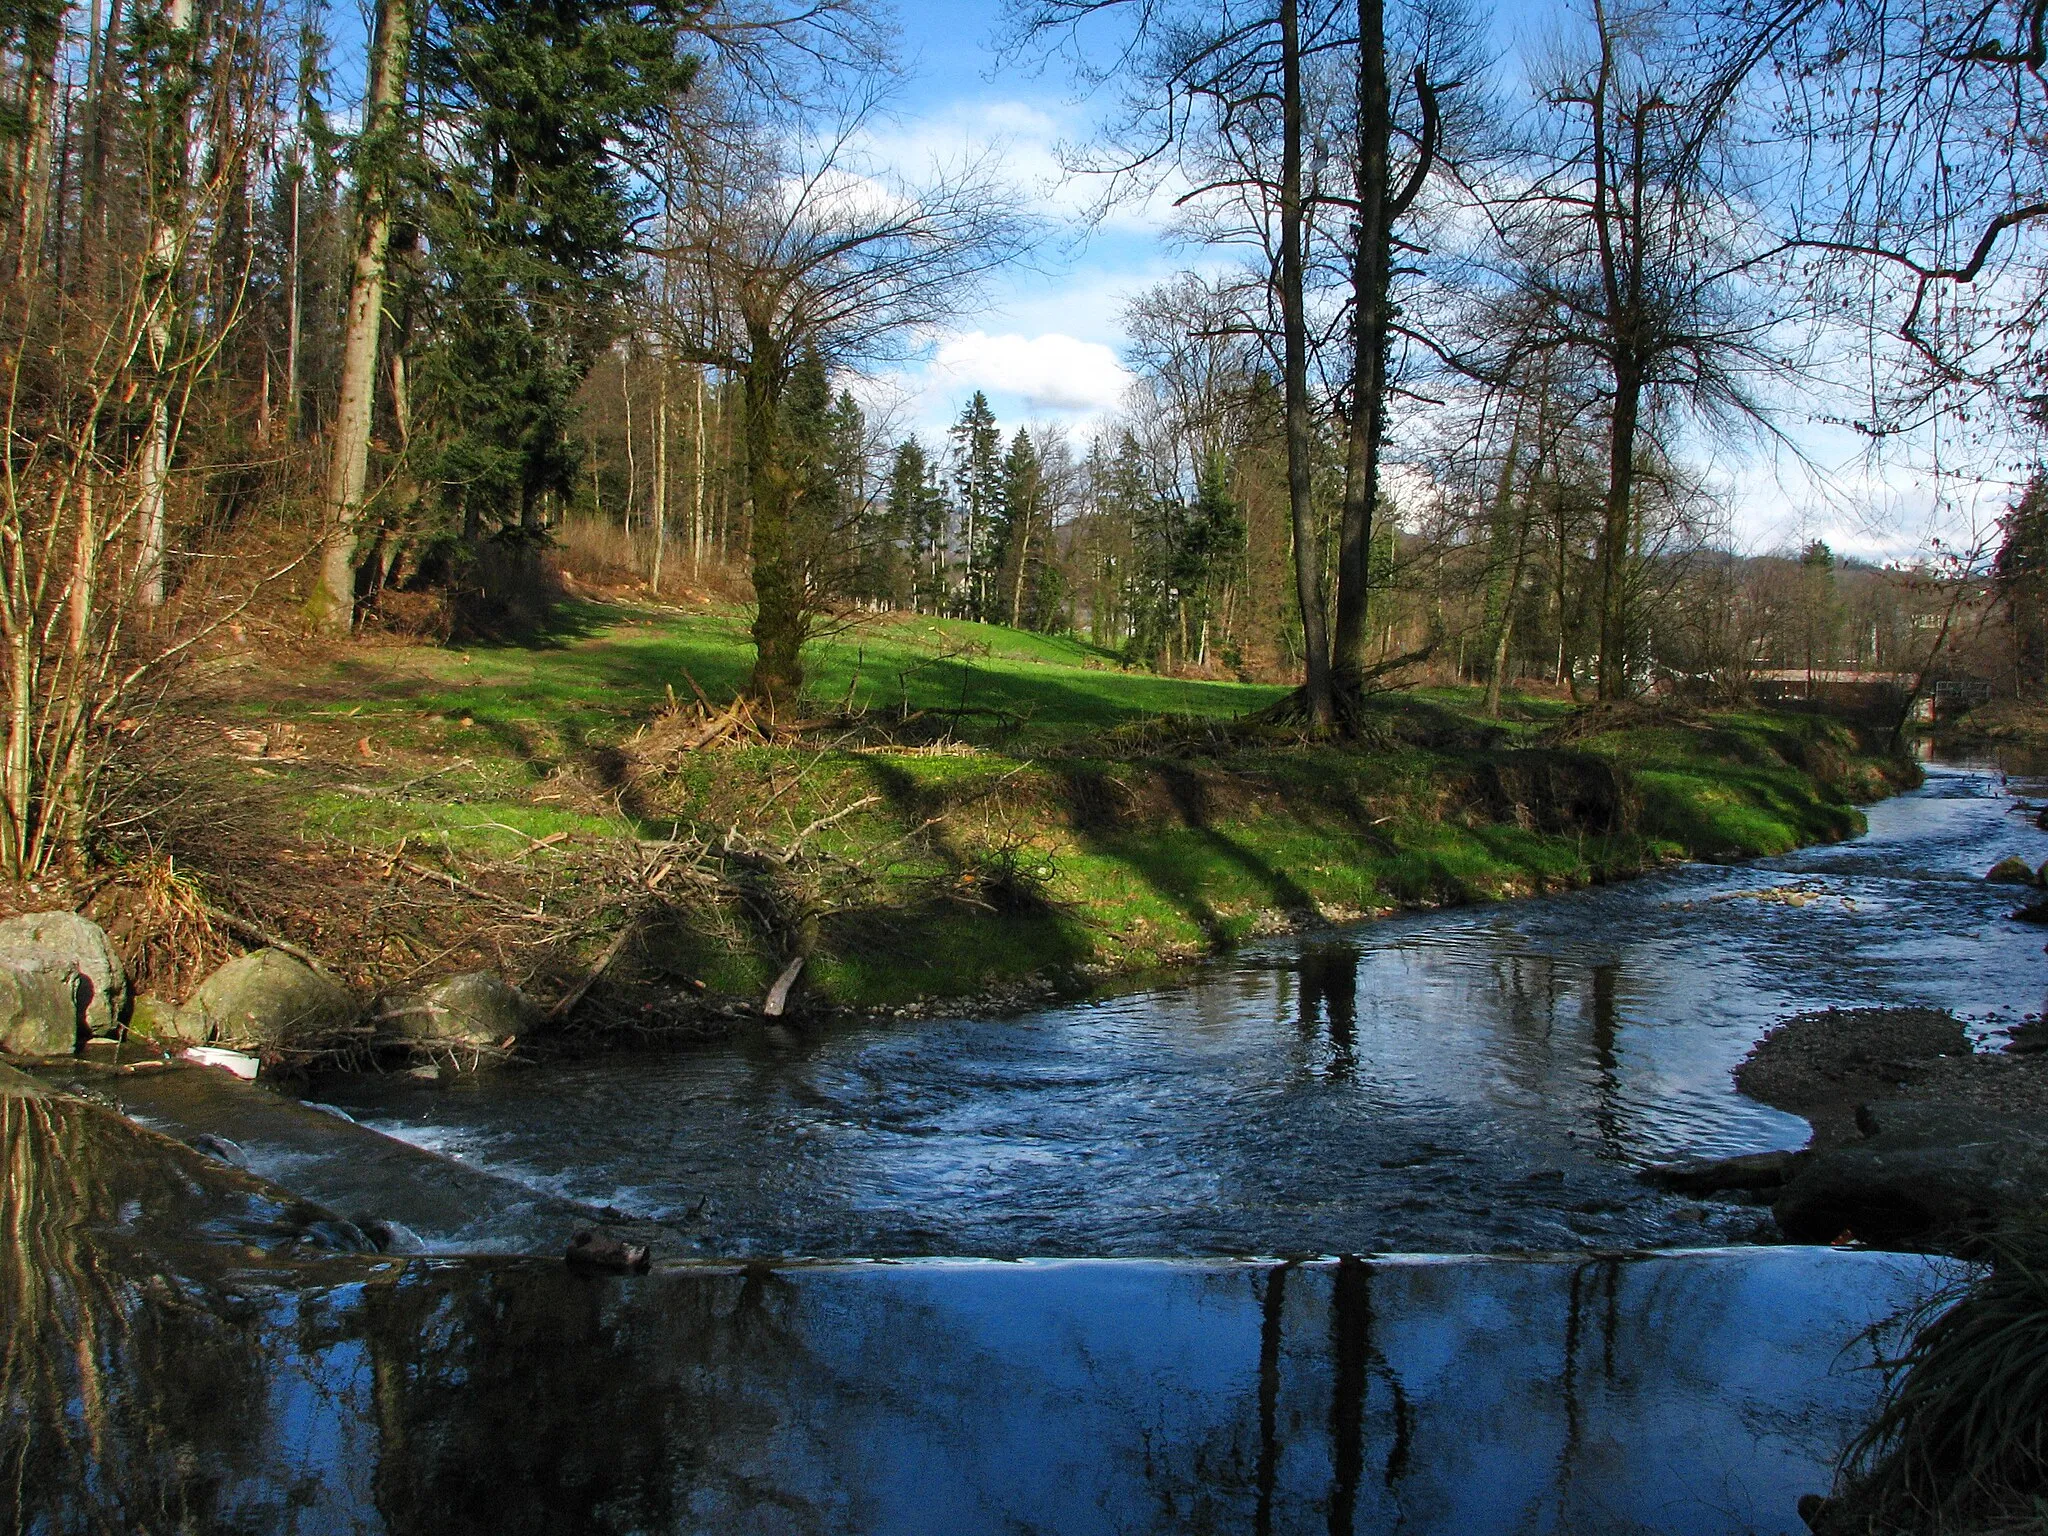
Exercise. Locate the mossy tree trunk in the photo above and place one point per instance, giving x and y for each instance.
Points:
(781, 615)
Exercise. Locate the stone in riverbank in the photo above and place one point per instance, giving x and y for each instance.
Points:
(39, 1011)
(1820, 1066)
(476, 1008)
(1928, 1173)
(267, 999)
(41, 950)
(1917, 1142)
(1751, 1172)
(2011, 870)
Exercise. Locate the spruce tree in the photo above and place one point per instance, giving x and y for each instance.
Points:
(977, 500)
(2019, 575)
(1020, 514)
(918, 515)
(528, 222)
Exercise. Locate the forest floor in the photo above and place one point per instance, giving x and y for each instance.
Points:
(968, 813)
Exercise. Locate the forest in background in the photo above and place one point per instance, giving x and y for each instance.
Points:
(1444, 391)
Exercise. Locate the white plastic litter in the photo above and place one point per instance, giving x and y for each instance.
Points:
(241, 1064)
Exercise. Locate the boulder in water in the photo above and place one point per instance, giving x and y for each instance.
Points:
(1751, 1171)
(2010, 870)
(63, 941)
(163, 1023)
(1926, 1174)
(267, 999)
(475, 1008)
(594, 1250)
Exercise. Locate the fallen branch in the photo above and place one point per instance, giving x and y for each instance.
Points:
(778, 995)
(574, 995)
(249, 933)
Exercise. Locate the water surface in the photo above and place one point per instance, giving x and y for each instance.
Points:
(1478, 1080)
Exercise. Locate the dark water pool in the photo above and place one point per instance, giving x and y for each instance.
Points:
(172, 1358)
(1478, 1080)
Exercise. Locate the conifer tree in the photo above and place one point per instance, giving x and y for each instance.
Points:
(977, 502)
(2019, 575)
(546, 100)
(918, 515)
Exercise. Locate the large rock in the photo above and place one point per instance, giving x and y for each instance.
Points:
(266, 999)
(65, 941)
(164, 1024)
(475, 1008)
(2010, 871)
(39, 1010)
(1926, 1174)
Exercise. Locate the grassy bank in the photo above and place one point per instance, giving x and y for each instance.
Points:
(970, 811)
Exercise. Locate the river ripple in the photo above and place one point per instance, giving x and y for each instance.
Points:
(1480, 1080)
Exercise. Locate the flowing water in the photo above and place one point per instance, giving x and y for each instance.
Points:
(177, 1353)
(1477, 1080)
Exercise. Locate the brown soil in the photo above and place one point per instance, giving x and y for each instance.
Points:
(1820, 1066)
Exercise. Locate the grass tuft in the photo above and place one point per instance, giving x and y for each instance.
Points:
(1961, 1444)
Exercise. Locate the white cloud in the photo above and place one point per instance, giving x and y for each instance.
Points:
(1047, 372)
(1029, 141)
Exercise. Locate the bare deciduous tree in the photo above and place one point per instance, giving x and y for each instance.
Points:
(786, 240)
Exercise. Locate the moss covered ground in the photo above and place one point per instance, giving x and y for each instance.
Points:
(971, 811)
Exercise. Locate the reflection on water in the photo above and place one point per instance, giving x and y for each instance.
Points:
(1476, 1080)
(153, 1383)
(130, 1359)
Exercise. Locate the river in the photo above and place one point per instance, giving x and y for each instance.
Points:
(1063, 1273)
(1479, 1080)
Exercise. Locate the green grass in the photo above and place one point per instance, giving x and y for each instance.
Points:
(1091, 826)
(602, 665)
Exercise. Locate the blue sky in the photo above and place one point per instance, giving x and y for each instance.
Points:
(1044, 345)
(1043, 340)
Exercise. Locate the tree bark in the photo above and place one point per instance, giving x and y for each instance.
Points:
(1370, 317)
(780, 622)
(1308, 580)
(697, 485)
(660, 467)
(332, 602)
(154, 469)
(1621, 281)
(1615, 531)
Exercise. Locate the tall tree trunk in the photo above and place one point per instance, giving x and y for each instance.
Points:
(333, 599)
(1615, 530)
(779, 617)
(38, 87)
(1380, 207)
(632, 463)
(165, 241)
(1370, 281)
(295, 315)
(1502, 641)
(1023, 564)
(102, 65)
(697, 485)
(660, 467)
(1308, 576)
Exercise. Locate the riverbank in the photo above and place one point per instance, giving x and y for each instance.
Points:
(976, 817)
(1919, 1141)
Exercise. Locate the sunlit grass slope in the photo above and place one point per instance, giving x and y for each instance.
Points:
(1078, 818)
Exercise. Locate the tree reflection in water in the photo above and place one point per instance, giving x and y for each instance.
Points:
(175, 1361)
(135, 1389)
